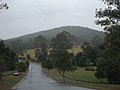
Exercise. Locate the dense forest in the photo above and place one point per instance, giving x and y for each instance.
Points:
(7, 58)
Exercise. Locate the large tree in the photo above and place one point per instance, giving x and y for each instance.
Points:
(8, 55)
(90, 51)
(110, 18)
(63, 60)
(40, 42)
(7, 58)
(41, 53)
(100, 74)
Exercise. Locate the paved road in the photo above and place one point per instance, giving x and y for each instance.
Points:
(36, 80)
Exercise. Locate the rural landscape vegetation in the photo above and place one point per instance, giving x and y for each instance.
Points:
(72, 55)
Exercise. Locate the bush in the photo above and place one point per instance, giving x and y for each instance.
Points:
(22, 66)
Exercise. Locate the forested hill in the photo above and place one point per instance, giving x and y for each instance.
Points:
(27, 41)
(84, 34)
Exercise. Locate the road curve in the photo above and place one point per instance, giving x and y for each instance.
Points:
(37, 80)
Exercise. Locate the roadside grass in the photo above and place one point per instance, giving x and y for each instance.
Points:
(9, 81)
(82, 75)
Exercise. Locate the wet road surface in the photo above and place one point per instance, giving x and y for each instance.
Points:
(37, 80)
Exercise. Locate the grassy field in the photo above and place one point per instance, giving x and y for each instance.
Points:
(9, 81)
(31, 52)
(75, 50)
(81, 74)
(56, 76)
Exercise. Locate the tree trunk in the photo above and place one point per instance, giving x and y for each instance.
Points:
(101, 80)
(48, 72)
(0, 75)
(64, 76)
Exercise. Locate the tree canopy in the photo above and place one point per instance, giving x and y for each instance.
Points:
(7, 58)
(62, 59)
(110, 18)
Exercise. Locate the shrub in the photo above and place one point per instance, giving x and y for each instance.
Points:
(22, 66)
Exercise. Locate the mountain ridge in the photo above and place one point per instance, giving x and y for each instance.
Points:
(75, 30)
(26, 42)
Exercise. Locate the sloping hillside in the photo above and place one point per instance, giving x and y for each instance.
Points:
(27, 41)
(84, 34)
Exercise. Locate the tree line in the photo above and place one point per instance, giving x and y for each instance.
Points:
(7, 58)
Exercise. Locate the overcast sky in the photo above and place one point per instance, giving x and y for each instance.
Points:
(28, 16)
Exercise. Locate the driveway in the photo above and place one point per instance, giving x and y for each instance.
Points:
(37, 80)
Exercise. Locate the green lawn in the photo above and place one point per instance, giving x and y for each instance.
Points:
(81, 74)
(9, 81)
(31, 53)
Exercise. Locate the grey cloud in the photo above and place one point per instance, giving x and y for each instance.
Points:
(26, 16)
